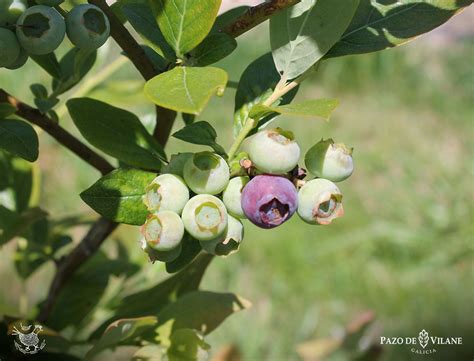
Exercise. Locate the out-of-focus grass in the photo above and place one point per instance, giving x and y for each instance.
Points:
(404, 247)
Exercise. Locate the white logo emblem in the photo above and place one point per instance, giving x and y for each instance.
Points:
(423, 338)
(30, 342)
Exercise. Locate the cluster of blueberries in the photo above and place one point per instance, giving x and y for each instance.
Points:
(207, 198)
(40, 29)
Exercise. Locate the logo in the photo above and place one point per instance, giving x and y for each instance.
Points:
(29, 340)
(424, 344)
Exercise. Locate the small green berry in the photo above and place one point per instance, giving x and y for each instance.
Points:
(167, 192)
(9, 47)
(273, 151)
(205, 217)
(319, 202)
(163, 231)
(87, 27)
(229, 243)
(330, 161)
(232, 196)
(40, 29)
(20, 61)
(206, 173)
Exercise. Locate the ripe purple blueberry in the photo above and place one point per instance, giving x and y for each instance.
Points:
(269, 200)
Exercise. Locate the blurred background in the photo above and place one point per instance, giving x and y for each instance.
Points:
(403, 250)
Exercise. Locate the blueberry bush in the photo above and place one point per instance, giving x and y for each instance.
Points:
(190, 207)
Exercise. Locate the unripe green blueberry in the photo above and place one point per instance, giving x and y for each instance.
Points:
(10, 11)
(232, 196)
(330, 161)
(205, 217)
(20, 61)
(167, 192)
(49, 2)
(319, 202)
(40, 29)
(206, 173)
(229, 243)
(273, 151)
(87, 26)
(163, 231)
(9, 47)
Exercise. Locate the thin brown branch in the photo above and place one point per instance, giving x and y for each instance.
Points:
(34, 116)
(71, 263)
(164, 117)
(256, 15)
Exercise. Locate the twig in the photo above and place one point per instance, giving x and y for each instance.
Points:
(78, 256)
(34, 116)
(256, 15)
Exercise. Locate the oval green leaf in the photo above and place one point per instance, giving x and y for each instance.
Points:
(186, 89)
(118, 195)
(19, 138)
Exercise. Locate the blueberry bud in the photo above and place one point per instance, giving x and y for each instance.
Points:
(273, 151)
(163, 231)
(330, 161)
(232, 196)
(319, 202)
(9, 48)
(205, 217)
(206, 173)
(167, 192)
(228, 243)
(87, 27)
(268, 200)
(40, 29)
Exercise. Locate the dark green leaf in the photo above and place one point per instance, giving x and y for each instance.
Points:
(184, 23)
(48, 62)
(186, 89)
(6, 110)
(255, 85)
(228, 17)
(319, 108)
(380, 25)
(190, 248)
(18, 224)
(199, 310)
(19, 138)
(45, 105)
(140, 16)
(118, 196)
(120, 331)
(214, 48)
(188, 118)
(159, 63)
(186, 344)
(300, 35)
(176, 164)
(39, 91)
(116, 132)
(26, 182)
(200, 133)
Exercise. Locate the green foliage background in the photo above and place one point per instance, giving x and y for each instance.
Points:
(404, 248)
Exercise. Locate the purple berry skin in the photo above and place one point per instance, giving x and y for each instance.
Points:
(269, 200)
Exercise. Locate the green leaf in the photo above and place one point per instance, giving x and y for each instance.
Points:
(18, 224)
(188, 118)
(48, 62)
(214, 48)
(140, 16)
(118, 196)
(186, 345)
(120, 331)
(319, 108)
(200, 133)
(199, 310)
(116, 132)
(380, 25)
(186, 89)
(151, 301)
(19, 138)
(228, 17)
(256, 84)
(300, 35)
(185, 23)
(6, 110)
(190, 248)
(176, 164)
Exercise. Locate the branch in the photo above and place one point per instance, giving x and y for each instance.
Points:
(34, 116)
(255, 16)
(164, 117)
(78, 256)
